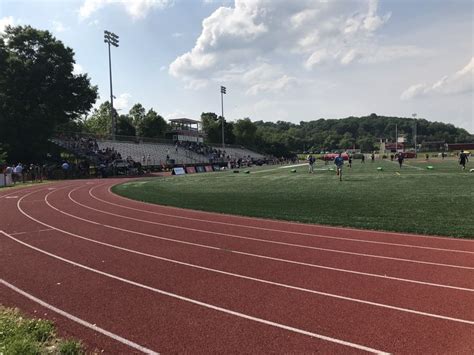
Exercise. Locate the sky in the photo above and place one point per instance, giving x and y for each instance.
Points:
(297, 60)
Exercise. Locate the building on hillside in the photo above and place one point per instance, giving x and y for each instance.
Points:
(387, 147)
(433, 146)
(185, 130)
(461, 147)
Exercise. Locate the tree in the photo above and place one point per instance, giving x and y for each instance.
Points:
(125, 126)
(3, 155)
(38, 90)
(210, 126)
(152, 125)
(137, 114)
(100, 122)
(244, 132)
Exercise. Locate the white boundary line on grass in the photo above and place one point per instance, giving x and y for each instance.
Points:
(74, 318)
(270, 241)
(261, 219)
(202, 304)
(264, 229)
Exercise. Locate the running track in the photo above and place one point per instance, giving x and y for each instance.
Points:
(129, 277)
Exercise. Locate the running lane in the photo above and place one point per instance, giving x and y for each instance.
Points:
(372, 326)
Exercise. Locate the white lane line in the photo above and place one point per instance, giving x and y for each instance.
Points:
(270, 241)
(36, 231)
(405, 164)
(326, 294)
(203, 304)
(232, 251)
(76, 319)
(277, 230)
(447, 239)
(279, 168)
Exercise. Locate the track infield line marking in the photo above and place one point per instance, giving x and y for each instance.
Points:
(235, 252)
(270, 241)
(276, 230)
(278, 284)
(76, 319)
(202, 304)
(447, 239)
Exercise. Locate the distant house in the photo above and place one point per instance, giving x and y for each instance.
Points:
(460, 146)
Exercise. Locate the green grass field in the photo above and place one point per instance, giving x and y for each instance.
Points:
(414, 199)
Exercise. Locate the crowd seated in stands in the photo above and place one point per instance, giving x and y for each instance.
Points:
(213, 154)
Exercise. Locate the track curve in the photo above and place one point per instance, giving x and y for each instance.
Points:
(127, 276)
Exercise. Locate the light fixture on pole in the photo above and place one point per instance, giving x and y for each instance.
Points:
(223, 91)
(414, 129)
(111, 39)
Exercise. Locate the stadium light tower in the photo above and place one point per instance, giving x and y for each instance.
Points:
(223, 91)
(111, 39)
(414, 130)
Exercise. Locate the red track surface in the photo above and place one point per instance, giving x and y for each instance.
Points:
(141, 277)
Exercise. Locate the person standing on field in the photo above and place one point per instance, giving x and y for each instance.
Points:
(339, 161)
(400, 159)
(311, 163)
(463, 160)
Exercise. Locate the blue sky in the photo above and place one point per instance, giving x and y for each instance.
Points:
(280, 60)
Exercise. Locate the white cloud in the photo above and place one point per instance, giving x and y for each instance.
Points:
(275, 31)
(137, 9)
(458, 83)
(78, 69)
(6, 21)
(122, 102)
(58, 27)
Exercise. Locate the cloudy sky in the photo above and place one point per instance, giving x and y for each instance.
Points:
(296, 60)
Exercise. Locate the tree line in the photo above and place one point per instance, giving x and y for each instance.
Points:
(40, 94)
(285, 138)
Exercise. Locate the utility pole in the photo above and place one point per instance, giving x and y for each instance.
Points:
(111, 39)
(223, 91)
(396, 138)
(414, 130)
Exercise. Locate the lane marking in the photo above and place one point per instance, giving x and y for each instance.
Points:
(270, 241)
(11, 196)
(36, 231)
(203, 304)
(232, 251)
(447, 239)
(76, 319)
(275, 230)
(278, 284)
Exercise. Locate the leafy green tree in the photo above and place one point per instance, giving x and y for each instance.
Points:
(211, 127)
(152, 125)
(38, 90)
(244, 132)
(125, 126)
(3, 155)
(100, 122)
(137, 114)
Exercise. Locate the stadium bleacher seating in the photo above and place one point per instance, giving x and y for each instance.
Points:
(153, 153)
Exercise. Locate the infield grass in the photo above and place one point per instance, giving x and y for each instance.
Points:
(414, 199)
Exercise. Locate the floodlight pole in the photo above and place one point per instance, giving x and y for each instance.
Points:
(414, 130)
(223, 91)
(112, 116)
(396, 138)
(111, 39)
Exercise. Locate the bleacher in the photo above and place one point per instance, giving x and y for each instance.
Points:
(153, 153)
(240, 152)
